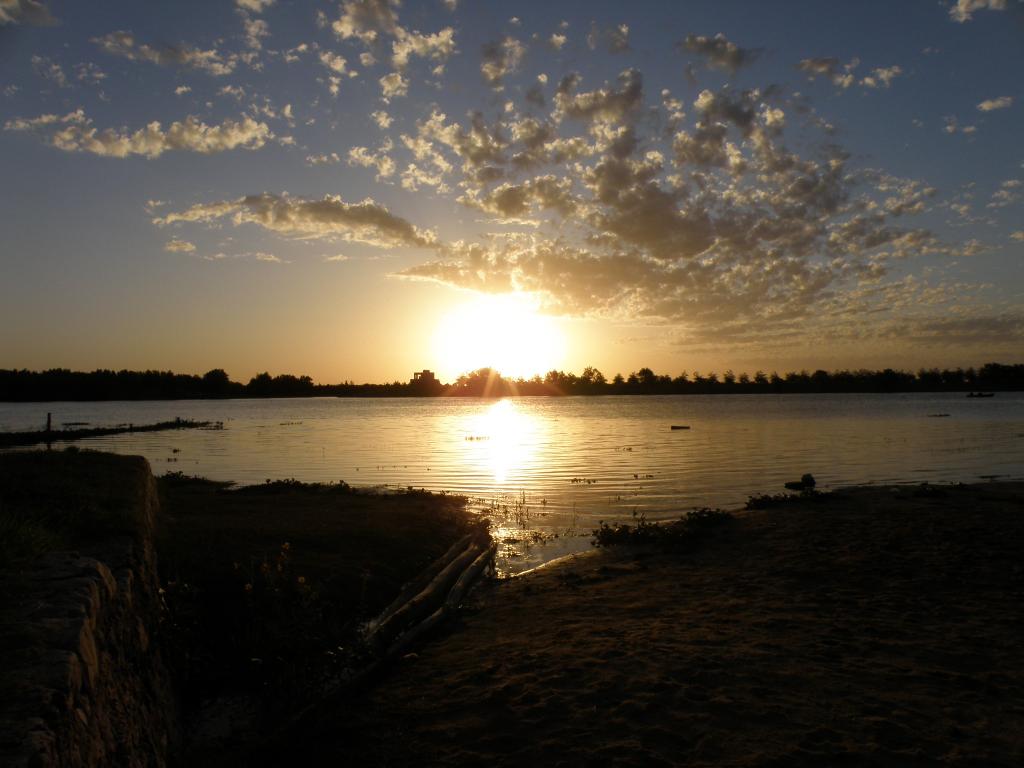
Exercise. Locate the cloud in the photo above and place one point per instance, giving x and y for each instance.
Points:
(964, 9)
(50, 70)
(438, 46)
(557, 41)
(122, 43)
(179, 246)
(332, 159)
(333, 62)
(989, 105)
(255, 31)
(30, 12)
(382, 119)
(882, 77)
(393, 85)
(75, 132)
(720, 53)
(89, 73)
(254, 6)
(1009, 192)
(731, 237)
(330, 217)
(380, 160)
(829, 67)
(616, 38)
(513, 201)
(366, 20)
(499, 59)
(1018, 236)
(607, 104)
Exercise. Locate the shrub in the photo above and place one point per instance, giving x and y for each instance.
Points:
(676, 535)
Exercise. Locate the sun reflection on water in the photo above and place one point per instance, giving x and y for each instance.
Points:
(506, 440)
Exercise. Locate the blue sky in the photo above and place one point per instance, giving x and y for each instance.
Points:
(313, 187)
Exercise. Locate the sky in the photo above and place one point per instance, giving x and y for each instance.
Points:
(358, 190)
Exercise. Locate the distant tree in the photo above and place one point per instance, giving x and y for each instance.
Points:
(216, 382)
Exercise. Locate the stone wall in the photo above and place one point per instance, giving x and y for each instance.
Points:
(83, 682)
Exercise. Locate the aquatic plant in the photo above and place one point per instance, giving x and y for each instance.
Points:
(676, 535)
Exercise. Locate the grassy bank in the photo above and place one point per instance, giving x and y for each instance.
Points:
(266, 585)
(57, 500)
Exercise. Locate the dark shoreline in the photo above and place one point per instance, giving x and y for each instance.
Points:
(60, 384)
(23, 439)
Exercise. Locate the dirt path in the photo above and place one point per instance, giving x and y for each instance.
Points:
(877, 627)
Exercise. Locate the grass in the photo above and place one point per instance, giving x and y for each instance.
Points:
(678, 535)
(57, 500)
(266, 586)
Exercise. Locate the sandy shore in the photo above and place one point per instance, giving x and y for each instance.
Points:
(876, 626)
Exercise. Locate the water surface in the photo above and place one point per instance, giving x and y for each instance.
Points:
(549, 469)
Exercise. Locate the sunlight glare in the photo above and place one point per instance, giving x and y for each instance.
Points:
(509, 437)
(504, 332)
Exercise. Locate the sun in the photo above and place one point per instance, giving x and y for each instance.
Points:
(500, 331)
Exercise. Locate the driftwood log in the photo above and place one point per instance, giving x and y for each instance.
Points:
(434, 594)
(458, 591)
(427, 600)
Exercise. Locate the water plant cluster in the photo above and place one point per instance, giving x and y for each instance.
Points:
(681, 534)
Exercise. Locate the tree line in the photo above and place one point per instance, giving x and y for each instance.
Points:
(63, 384)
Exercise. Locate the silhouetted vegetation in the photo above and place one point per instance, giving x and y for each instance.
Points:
(62, 384)
(13, 439)
(677, 535)
(266, 586)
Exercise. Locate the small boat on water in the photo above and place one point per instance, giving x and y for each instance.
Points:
(981, 394)
(680, 426)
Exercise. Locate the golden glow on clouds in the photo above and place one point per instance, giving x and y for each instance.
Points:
(504, 332)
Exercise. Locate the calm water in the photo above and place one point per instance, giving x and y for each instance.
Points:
(548, 469)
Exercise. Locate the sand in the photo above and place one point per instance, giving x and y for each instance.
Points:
(876, 626)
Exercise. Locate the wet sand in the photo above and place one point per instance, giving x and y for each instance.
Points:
(876, 626)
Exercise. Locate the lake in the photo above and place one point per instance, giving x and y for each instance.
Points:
(549, 469)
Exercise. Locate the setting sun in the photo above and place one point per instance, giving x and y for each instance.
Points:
(504, 332)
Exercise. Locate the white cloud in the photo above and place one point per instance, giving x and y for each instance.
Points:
(179, 246)
(438, 46)
(380, 160)
(382, 119)
(615, 38)
(181, 90)
(89, 73)
(30, 12)
(75, 133)
(366, 19)
(50, 70)
(332, 159)
(331, 217)
(254, 6)
(557, 41)
(499, 59)
(1018, 236)
(1001, 102)
(393, 85)
(333, 62)
(719, 52)
(122, 43)
(964, 9)
(255, 31)
(882, 77)
(841, 75)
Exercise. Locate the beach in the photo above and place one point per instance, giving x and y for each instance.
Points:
(872, 626)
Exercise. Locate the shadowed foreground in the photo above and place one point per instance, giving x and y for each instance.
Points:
(874, 626)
